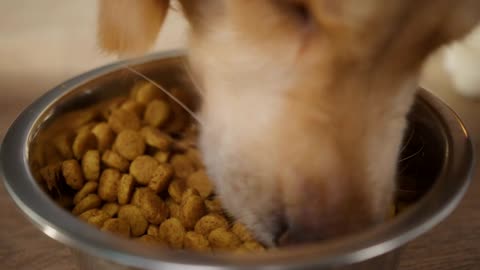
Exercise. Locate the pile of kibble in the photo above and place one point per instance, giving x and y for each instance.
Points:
(130, 167)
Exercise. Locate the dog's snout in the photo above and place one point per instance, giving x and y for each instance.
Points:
(321, 210)
(314, 228)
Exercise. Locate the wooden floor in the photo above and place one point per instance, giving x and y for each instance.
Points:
(45, 42)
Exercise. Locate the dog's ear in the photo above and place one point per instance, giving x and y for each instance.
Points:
(129, 27)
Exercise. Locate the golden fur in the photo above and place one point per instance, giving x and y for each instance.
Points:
(305, 101)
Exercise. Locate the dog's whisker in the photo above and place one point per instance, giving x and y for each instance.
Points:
(410, 137)
(185, 107)
(412, 155)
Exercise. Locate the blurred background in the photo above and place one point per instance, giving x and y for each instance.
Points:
(45, 42)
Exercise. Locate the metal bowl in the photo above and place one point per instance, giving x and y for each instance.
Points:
(435, 167)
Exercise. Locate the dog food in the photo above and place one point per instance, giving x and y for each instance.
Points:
(132, 169)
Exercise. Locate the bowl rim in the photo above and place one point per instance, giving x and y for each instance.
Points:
(436, 205)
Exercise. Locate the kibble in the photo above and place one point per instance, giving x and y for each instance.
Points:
(88, 188)
(172, 232)
(160, 178)
(210, 222)
(155, 138)
(104, 135)
(129, 144)
(199, 181)
(108, 186)
(157, 113)
(113, 160)
(111, 209)
(142, 169)
(134, 171)
(153, 207)
(133, 215)
(73, 174)
(125, 188)
(121, 120)
(191, 210)
(91, 165)
(196, 242)
(222, 239)
(90, 201)
(84, 141)
(117, 226)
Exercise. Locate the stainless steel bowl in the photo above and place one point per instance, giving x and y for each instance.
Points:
(437, 163)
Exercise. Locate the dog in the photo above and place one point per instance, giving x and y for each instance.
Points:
(305, 101)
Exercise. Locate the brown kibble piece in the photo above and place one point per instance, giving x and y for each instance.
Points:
(242, 232)
(111, 209)
(114, 160)
(133, 215)
(173, 208)
(155, 138)
(192, 209)
(91, 165)
(222, 239)
(172, 232)
(182, 166)
(176, 189)
(117, 226)
(157, 113)
(161, 178)
(153, 208)
(108, 186)
(196, 242)
(137, 196)
(152, 230)
(104, 135)
(200, 181)
(121, 120)
(90, 201)
(85, 140)
(253, 246)
(88, 188)
(209, 223)
(97, 218)
(125, 188)
(214, 206)
(73, 174)
(129, 144)
(87, 214)
(162, 156)
(134, 107)
(142, 169)
(144, 92)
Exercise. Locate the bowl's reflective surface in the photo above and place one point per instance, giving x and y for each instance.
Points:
(437, 157)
